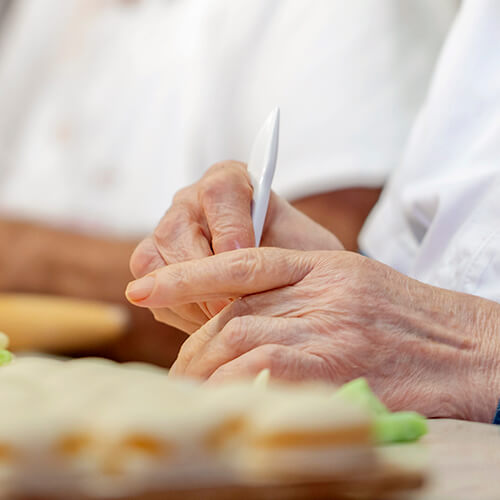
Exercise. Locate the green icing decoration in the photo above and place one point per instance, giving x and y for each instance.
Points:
(358, 391)
(5, 357)
(399, 427)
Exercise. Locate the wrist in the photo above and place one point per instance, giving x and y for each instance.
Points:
(487, 407)
(465, 350)
(484, 378)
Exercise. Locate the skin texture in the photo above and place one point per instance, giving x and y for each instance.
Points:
(308, 314)
(337, 316)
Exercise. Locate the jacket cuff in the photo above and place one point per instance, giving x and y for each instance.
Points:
(496, 419)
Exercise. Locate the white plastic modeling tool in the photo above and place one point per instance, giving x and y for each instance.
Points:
(261, 168)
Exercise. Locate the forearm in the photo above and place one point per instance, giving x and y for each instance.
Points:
(342, 212)
(485, 371)
(40, 259)
(463, 339)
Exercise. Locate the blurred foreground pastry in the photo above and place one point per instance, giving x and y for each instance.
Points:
(96, 428)
(308, 435)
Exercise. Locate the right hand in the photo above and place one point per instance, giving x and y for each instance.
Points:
(214, 216)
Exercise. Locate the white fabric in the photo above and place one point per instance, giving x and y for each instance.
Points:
(439, 218)
(107, 107)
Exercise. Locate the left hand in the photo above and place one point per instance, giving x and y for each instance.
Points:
(214, 216)
(336, 316)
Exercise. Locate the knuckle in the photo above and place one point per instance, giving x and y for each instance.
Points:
(180, 245)
(179, 279)
(186, 351)
(180, 238)
(245, 265)
(337, 268)
(223, 176)
(214, 168)
(224, 232)
(173, 223)
(164, 228)
(234, 334)
(226, 165)
(239, 178)
(211, 191)
(268, 356)
(183, 194)
(240, 182)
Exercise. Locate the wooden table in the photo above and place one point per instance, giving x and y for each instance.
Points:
(463, 462)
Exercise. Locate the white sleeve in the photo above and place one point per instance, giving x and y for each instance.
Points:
(196, 80)
(438, 220)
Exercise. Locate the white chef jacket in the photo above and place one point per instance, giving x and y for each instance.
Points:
(108, 107)
(439, 217)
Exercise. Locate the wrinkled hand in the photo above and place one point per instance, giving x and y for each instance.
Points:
(214, 216)
(336, 316)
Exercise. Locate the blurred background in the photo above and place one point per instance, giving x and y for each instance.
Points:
(108, 107)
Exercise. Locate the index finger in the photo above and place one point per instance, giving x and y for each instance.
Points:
(226, 198)
(226, 275)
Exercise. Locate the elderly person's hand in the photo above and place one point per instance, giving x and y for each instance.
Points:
(336, 316)
(214, 216)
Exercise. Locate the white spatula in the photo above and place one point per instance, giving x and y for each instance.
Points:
(261, 168)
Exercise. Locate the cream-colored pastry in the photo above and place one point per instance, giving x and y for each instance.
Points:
(100, 428)
(301, 434)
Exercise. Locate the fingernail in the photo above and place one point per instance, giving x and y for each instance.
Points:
(140, 289)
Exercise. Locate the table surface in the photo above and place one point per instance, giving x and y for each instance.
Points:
(463, 462)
